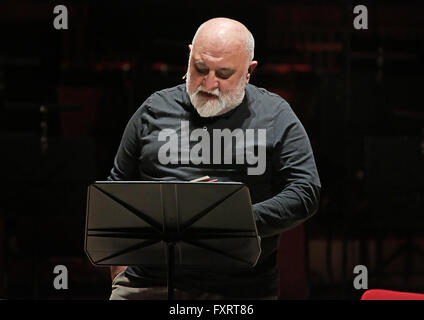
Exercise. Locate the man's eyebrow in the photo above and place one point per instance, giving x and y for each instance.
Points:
(202, 64)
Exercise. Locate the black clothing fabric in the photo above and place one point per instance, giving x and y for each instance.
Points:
(283, 195)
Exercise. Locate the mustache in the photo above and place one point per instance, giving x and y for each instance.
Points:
(214, 92)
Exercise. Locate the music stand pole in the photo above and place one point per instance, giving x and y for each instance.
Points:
(170, 271)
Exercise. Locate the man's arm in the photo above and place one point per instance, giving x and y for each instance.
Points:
(125, 163)
(294, 167)
(126, 159)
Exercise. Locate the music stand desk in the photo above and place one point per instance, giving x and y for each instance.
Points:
(197, 224)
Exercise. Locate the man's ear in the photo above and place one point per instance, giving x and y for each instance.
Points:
(190, 46)
(252, 67)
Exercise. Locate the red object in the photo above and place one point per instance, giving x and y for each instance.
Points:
(379, 294)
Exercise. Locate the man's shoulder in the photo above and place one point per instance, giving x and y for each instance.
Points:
(263, 98)
(177, 92)
(166, 99)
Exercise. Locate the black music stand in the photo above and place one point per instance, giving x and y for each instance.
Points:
(196, 224)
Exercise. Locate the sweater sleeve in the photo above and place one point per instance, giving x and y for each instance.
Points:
(126, 159)
(296, 175)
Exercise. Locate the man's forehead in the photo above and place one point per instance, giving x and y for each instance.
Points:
(203, 62)
(225, 57)
(213, 51)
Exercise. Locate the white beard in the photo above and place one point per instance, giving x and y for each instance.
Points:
(215, 106)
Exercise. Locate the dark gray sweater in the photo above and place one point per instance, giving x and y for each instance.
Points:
(265, 146)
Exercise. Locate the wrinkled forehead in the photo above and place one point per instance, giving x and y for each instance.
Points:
(220, 48)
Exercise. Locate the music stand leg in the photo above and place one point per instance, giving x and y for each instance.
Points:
(171, 262)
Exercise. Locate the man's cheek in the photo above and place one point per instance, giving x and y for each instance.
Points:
(193, 85)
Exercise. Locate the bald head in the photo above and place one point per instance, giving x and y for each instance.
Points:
(225, 35)
(220, 65)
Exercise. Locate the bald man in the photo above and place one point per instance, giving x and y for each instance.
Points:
(219, 67)
(219, 125)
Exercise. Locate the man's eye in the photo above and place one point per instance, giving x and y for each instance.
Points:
(223, 75)
(202, 71)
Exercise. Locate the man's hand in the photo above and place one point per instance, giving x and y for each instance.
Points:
(115, 270)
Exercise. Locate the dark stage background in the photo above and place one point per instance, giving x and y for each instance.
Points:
(66, 95)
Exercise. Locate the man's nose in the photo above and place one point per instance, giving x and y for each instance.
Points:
(210, 82)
